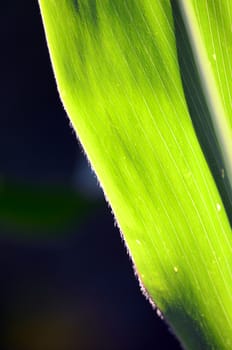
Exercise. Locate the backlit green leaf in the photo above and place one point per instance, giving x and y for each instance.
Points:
(119, 78)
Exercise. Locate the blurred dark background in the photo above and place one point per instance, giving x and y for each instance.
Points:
(66, 280)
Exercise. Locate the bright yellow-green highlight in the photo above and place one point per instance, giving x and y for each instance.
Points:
(118, 76)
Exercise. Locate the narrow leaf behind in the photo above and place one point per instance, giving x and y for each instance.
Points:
(209, 27)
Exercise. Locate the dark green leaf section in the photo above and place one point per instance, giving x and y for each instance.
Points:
(199, 111)
(40, 210)
(209, 36)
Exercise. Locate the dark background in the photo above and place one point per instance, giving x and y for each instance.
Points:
(66, 280)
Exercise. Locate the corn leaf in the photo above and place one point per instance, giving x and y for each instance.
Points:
(119, 72)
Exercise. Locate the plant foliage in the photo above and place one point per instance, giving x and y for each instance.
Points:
(153, 113)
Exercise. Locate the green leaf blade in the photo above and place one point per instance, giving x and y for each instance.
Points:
(118, 76)
(211, 48)
(215, 30)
